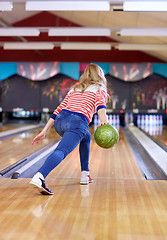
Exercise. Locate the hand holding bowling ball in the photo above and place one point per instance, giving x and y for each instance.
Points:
(106, 136)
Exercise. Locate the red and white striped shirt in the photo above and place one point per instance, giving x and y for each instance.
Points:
(87, 103)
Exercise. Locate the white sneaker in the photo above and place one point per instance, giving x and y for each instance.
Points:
(39, 181)
(85, 178)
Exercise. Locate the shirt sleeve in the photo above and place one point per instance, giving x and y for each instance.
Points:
(60, 107)
(100, 100)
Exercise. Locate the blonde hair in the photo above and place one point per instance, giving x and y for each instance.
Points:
(93, 74)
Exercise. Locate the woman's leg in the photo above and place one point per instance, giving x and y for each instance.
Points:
(68, 143)
(73, 129)
(84, 150)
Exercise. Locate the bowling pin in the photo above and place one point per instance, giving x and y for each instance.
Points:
(146, 120)
(95, 120)
(117, 120)
(98, 120)
(114, 119)
(138, 121)
(142, 122)
(110, 119)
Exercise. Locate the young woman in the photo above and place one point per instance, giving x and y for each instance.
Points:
(71, 119)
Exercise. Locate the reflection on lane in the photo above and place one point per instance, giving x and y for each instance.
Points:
(163, 136)
(157, 132)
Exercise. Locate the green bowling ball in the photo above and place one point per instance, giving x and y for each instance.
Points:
(106, 136)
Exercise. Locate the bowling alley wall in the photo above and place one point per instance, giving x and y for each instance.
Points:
(42, 86)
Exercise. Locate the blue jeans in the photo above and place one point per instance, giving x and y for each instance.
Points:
(73, 129)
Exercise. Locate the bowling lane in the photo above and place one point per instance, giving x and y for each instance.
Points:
(18, 147)
(117, 162)
(7, 127)
(157, 133)
(119, 201)
(153, 126)
(162, 136)
(103, 210)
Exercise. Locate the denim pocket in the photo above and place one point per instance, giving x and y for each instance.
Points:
(66, 121)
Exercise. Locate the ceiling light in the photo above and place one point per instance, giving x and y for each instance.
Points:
(140, 47)
(78, 31)
(68, 5)
(142, 5)
(86, 46)
(19, 31)
(6, 6)
(28, 45)
(143, 32)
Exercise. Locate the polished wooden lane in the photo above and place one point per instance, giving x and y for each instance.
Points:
(118, 205)
(107, 209)
(162, 138)
(6, 127)
(19, 146)
(114, 163)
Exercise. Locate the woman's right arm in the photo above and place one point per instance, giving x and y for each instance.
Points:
(42, 134)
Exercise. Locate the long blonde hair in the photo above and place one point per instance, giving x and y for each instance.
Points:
(93, 74)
